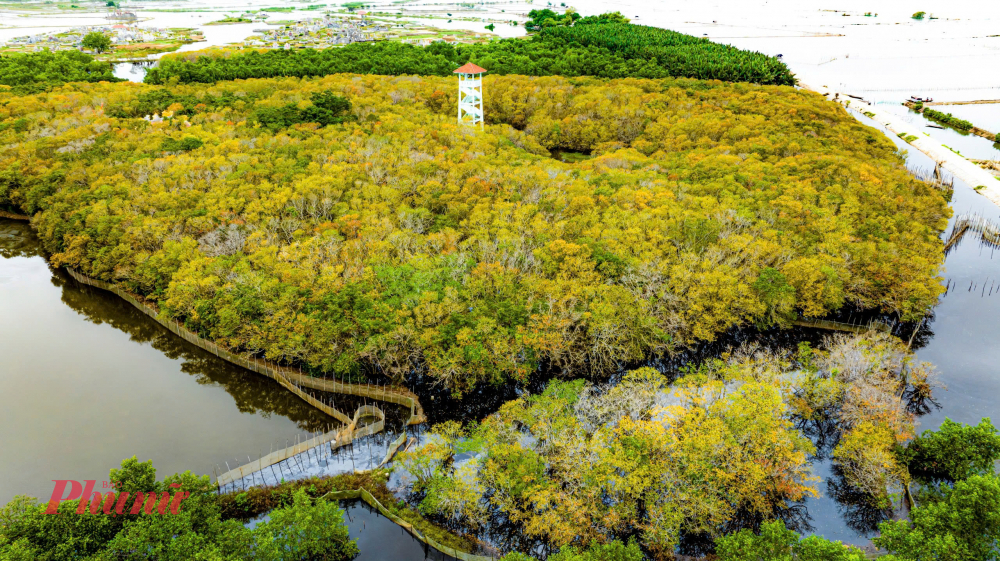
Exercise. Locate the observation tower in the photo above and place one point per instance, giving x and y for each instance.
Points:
(470, 94)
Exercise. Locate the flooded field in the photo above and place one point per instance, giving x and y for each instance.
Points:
(968, 144)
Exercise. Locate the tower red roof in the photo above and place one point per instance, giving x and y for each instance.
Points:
(469, 68)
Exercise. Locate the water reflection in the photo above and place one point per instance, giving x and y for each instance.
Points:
(14, 242)
(380, 538)
(251, 393)
(88, 380)
(132, 71)
(855, 506)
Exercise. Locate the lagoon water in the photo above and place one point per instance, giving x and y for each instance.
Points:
(88, 380)
(95, 381)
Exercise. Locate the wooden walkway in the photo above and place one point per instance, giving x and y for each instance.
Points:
(841, 326)
(292, 380)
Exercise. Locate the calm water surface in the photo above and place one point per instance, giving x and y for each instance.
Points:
(87, 380)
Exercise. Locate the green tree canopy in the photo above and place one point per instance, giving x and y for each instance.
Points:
(97, 41)
(959, 522)
(777, 543)
(955, 451)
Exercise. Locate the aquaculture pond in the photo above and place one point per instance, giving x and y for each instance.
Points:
(967, 144)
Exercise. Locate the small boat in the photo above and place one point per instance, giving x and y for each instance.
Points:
(936, 127)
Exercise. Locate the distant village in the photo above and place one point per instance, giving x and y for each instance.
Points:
(131, 39)
(333, 31)
(320, 32)
(122, 29)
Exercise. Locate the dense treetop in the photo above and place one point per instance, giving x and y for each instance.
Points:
(602, 49)
(394, 236)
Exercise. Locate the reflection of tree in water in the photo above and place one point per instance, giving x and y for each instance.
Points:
(252, 393)
(855, 506)
(823, 432)
(440, 405)
(17, 240)
(499, 532)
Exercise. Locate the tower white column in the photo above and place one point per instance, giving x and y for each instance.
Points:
(470, 95)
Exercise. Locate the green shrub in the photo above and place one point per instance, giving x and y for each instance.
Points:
(778, 543)
(326, 109)
(184, 145)
(948, 119)
(309, 530)
(298, 529)
(608, 17)
(959, 523)
(541, 19)
(955, 451)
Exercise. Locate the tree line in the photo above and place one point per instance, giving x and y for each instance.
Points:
(589, 48)
(33, 72)
(948, 119)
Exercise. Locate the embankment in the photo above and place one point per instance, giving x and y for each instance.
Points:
(991, 136)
